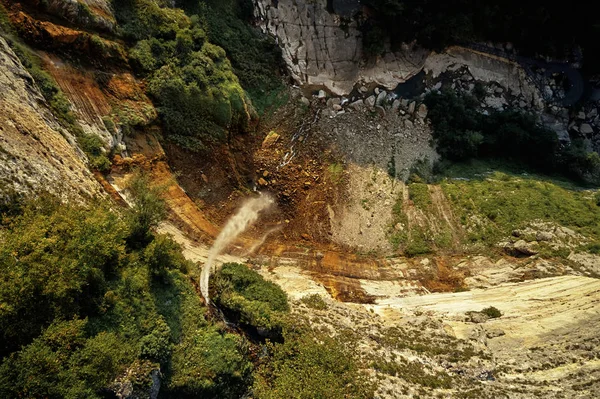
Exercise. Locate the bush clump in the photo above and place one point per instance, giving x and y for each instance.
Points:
(198, 95)
(248, 297)
(462, 133)
(491, 312)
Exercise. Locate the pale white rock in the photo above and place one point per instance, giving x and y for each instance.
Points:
(370, 101)
(381, 97)
(321, 49)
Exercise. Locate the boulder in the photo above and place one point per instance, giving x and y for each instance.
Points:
(544, 236)
(522, 247)
(321, 94)
(586, 129)
(305, 101)
(270, 140)
(396, 105)
(422, 111)
(381, 97)
(370, 101)
(411, 107)
(357, 105)
(494, 332)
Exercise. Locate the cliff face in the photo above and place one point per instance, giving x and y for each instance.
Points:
(35, 151)
(323, 48)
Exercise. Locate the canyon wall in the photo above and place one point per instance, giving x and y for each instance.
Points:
(325, 49)
(35, 151)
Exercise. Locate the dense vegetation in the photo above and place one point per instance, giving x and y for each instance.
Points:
(534, 27)
(490, 208)
(462, 133)
(91, 298)
(199, 97)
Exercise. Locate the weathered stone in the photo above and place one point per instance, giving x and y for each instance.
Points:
(270, 140)
(337, 107)
(381, 97)
(581, 115)
(524, 248)
(544, 236)
(36, 152)
(422, 111)
(396, 105)
(380, 110)
(586, 129)
(305, 101)
(321, 94)
(370, 101)
(262, 182)
(357, 105)
(494, 333)
(411, 107)
(477, 317)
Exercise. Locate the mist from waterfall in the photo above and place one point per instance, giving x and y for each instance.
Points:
(245, 217)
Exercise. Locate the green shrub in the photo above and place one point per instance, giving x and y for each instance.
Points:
(306, 366)
(245, 295)
(164, 254)
(419, 195)
(314, 301)
(210, 364)
(147, 210)
(156, 346)
(491, 312)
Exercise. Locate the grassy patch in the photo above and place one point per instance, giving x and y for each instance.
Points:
(414, 373)
(492, 207)
(314, 301)
(419, 195)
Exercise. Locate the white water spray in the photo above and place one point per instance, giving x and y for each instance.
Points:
(260, 242)
(237, 224)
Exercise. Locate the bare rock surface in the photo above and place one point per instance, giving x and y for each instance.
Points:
(35, 151)
(320, 48)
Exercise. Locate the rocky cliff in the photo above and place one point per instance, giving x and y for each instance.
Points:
(35, 151)
(323, 48)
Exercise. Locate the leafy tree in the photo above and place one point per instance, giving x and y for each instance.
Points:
(307, 366)
(244, 295)
(147, 210)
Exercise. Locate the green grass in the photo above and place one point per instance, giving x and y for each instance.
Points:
(419, 195)
(491, 207)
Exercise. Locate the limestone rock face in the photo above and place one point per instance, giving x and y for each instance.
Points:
(35, 151)
(322, 48)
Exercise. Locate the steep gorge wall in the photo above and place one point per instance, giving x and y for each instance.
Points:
(35, 151)
(322, 48)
